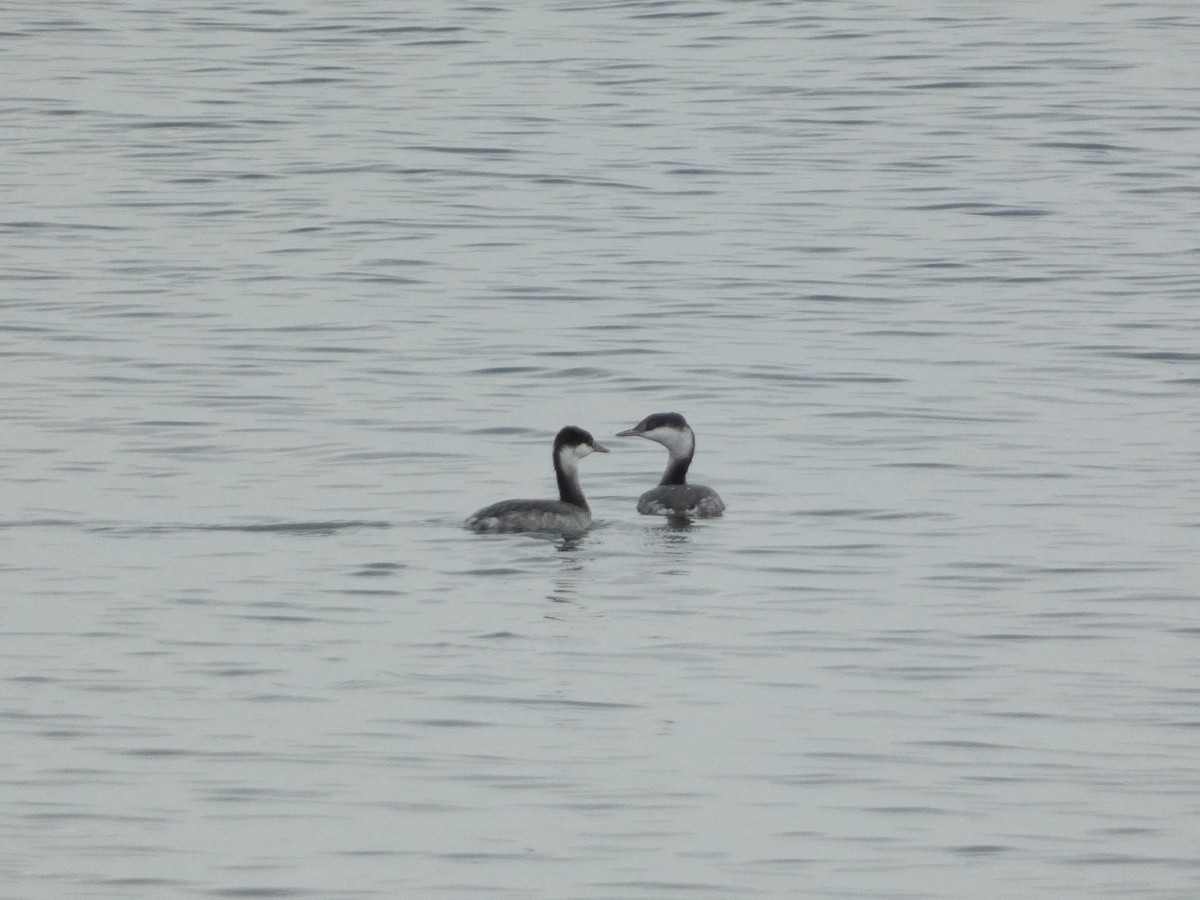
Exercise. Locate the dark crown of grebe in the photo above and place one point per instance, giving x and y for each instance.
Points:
(574, 436)
(657, 420)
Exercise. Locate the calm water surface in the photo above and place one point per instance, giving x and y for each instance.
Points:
(288, 291)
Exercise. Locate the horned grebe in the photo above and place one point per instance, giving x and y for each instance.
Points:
(569, 514)
(674, 496)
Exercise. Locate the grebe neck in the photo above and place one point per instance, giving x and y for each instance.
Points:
(566, 472)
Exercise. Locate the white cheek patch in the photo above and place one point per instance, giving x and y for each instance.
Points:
(679, 443)
(572, 455)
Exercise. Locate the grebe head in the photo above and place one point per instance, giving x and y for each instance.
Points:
(669, 429)
(573, 444)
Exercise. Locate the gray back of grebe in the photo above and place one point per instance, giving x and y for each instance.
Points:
(681, 500)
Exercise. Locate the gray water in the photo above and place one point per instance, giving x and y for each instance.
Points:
(288, 291)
